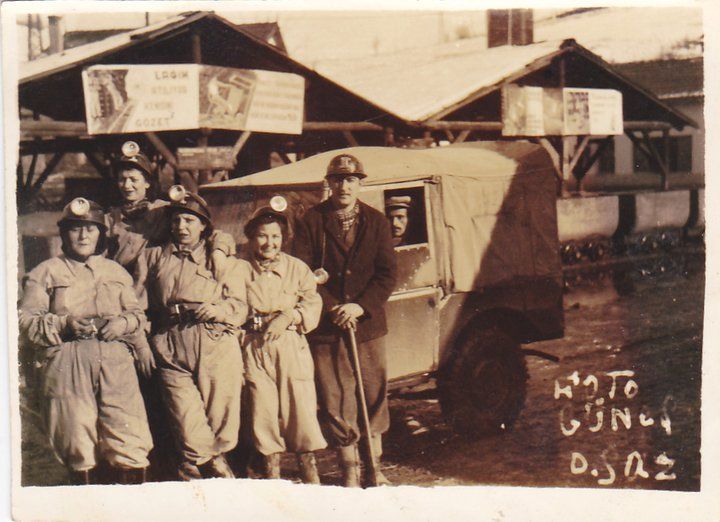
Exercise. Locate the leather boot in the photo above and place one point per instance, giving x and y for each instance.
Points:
(308, 468)
(81, 478)
(188, 471)
(217, 467)
(271, 466)
(350, 465)
(381, 479)
(131, 476)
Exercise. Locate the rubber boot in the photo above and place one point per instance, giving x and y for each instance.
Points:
(271, 466)
(308, 468)
(381, 479)
(350, 465)
(217, 467)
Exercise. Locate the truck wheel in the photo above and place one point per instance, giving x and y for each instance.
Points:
(483, 386)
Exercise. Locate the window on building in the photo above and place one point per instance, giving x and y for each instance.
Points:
(679, 154)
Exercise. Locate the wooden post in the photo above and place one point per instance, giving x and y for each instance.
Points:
(196, 48)
(666, 143)
(389, 137)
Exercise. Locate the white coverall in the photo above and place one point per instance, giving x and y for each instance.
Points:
(280, 374)
(199, 363)
(92, 401)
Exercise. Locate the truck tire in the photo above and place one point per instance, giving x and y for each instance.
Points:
(483, 387)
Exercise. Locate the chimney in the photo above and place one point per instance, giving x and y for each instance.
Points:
(56, 28)
(510, 27)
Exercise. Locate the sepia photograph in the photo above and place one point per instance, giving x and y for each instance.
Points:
(365, 253)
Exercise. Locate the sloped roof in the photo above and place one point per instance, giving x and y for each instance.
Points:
(631, 34)
(429, 83)
(389, 164)
(52, 85)
(418, 83)
(668, 79)
(54, 63)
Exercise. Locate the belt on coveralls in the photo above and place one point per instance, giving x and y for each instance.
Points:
(178, 314)
(96, 323)
(258, 322)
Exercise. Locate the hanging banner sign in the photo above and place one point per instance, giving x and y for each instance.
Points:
(143, 98)
(539, 111)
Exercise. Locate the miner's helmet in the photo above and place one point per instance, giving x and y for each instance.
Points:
(345, 165)
(182, 200)
(272, 213)
(132, 157)
(81, 210)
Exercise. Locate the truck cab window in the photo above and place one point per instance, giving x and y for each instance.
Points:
(405, 211)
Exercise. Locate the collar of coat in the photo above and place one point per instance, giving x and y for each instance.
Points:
(278, 266)
(334, 229)
(197, 254)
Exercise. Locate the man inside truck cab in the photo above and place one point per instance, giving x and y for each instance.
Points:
(396, 210)
(349, 246)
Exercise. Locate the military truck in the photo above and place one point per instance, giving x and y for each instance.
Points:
(479, 273)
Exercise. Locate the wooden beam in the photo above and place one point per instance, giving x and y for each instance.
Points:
(98, 164)
(593, 158)
(77, 129)
(284, 157)
(341, 126)
(554, 156)
(462, 136)
(577, 154)
(31, 171)
(162, 149)
(30, 192)
(485, 126)
(449, 135)
(350, 138)
(664, 168)
(646, 125)
(639, 144)
(240, 143)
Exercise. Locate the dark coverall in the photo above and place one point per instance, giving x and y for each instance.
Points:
(362, 271)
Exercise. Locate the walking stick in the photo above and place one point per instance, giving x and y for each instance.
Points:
(363, 406)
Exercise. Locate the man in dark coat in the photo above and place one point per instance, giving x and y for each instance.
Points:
(350, 244)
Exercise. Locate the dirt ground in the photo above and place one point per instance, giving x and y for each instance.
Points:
(647, 321)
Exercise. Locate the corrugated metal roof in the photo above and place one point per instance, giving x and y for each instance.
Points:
(419, 83)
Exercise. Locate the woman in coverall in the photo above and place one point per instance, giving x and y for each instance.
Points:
(195, 320)
(81, 310)
(284, 305)
(140, 222)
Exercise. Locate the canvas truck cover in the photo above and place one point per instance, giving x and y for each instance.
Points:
(498, 215)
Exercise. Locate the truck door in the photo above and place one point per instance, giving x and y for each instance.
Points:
(412, 311)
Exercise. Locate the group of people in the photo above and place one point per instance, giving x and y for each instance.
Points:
(150, 323)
